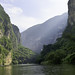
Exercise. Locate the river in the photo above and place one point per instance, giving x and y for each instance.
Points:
(33, 69)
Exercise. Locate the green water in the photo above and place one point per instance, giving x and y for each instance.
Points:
(31, 69)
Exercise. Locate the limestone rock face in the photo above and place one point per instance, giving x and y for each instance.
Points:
(8, 59)
(71, 12)
(9, 38)
(70, 30)
(17, 33)
(1, 34)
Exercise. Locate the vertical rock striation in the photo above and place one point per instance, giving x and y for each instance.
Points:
(71, 12)
(17, 33)
(9, 38)
(71, 18)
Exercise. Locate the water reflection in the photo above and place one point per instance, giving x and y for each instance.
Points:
(28, 70)
(52, 70)
(59, 70)
(38, 70)
(6, 70)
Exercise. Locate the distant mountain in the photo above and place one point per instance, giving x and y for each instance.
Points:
(45, 33)
(63, 51)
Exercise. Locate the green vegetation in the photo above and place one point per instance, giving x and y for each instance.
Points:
(10, 49)
(6, 36)
(23, 55)
(3, 53)
(5, 48)
(5, 42)
(63, 51)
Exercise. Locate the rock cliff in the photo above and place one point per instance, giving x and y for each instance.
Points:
(8, 38)
(71, 12)
(63, 51)
(71, 18)
(17, 33)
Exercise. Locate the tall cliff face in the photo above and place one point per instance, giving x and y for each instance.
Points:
(71, 12)
(17, 33)
(71, 18)
(8, 38)
(5, 24)
(64, 49)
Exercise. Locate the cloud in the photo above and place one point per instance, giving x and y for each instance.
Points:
(14, 11)
(26, 13)
(18, 17)
(10, 0)
(51, 8)
(24, 22)
(6, 1)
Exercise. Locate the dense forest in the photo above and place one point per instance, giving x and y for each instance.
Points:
(11, 50)
(23, 55)
(63, 51)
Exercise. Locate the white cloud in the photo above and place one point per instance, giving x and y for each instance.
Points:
(11, 0)
(23, 22)
(6, 1)
(33, 11)
(14, 11)
(18, 17)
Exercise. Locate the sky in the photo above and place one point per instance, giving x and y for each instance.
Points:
(27, 13)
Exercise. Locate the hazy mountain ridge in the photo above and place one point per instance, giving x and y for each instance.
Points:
(63, 51)
(45, 33)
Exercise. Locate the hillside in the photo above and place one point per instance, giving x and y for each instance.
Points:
(10, 41)
(45, 33)
(63, 51)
